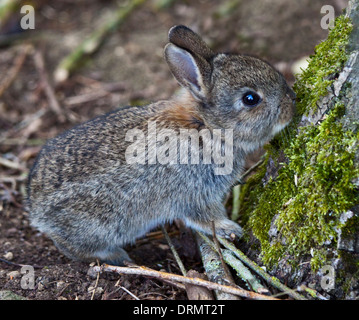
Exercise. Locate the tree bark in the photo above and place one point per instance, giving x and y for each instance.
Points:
(329, 265)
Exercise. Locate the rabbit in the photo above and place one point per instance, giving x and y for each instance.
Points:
(92, 198)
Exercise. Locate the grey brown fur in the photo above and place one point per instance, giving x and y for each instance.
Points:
(85, 196)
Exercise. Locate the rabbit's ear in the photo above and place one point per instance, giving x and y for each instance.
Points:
(191, 71)
(185, 38)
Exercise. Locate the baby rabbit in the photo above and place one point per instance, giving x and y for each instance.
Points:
(92, 191)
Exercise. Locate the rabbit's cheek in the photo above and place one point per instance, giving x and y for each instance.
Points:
(286, 114)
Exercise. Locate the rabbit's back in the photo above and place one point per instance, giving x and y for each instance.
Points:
(85, 151)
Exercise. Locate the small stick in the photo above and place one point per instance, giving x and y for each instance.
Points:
(236, 202)
(13, 72)
(130, 293)
(199, 292)
(174, 251)
(101, 90)
(315, 294)
(12, 165)
(237, 265)
(97, 278)
(87, 97)
(64, 288)
(8, 180)
(170, 282)
(143, 271)
(241, 179)
(19, 264)
(49, 91)
(11, 263)
(271, 280)
(214, 269)
(124, 289)
(4, 139)
(219, 252)
(237, 188)
(244, 272)
(21, 141)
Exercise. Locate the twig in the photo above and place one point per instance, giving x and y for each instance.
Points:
(21, 141)
(130, 293)
(237, 188)
(143, 271)
(170, 282)
(21, 125)
(12, 165)
(101, 90)
(49, 91)
(237, 265)
(214, 269)
(241, 179)
(91, 44)
(19, 264)
(13, 72)
(174, 251)
(176, 284)
(124, 289)
(271, 280)
(315, 294)
(193, 292)
(236, 202)
(11, 263)
(64, 288)
(13, 180)
(96, 283)
(198, 292)
(10, 196)
(154, 235)
(219, 252)
(152, 294)
(87, 97)
(244, 273)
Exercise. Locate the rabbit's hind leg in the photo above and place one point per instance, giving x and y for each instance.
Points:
(116, 257)
(113, 256)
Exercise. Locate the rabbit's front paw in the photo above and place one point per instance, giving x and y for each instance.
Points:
(228, 229)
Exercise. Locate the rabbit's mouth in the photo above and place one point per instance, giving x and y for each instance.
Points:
(278, 128)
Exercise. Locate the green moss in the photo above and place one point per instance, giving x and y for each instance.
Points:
(309, 194)
(315, 187)
(328, 60)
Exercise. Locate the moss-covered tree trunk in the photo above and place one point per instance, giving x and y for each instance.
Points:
(302, 206)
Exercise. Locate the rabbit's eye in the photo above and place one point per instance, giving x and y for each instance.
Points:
(251, 98)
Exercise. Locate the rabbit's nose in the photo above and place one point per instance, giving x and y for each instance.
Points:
(291, 95)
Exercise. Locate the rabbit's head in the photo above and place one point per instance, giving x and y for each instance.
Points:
(232, 91)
